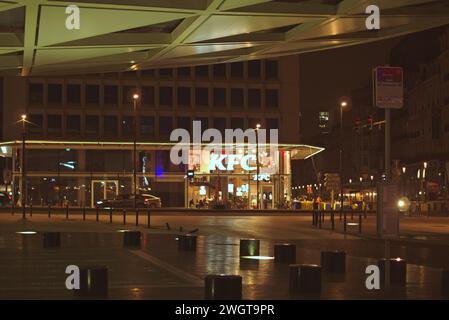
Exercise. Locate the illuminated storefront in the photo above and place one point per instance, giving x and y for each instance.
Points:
(81, 173)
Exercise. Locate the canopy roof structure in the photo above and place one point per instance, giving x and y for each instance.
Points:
(120, 35)
(298, 151)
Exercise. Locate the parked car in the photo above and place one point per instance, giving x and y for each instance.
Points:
(5, 199)
(127, 201)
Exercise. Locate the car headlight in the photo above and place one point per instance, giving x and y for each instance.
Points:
(99, 202)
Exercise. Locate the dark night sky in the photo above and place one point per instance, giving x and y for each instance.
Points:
(327, 75)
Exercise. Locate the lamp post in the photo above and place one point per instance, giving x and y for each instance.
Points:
(343, 104)
(257, 165)
(135, 99)
(24, 194)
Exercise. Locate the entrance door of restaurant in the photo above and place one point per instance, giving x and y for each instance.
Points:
(103, 189)
(267, 196)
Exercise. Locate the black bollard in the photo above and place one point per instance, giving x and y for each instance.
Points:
(333, 261)
(148, 219)
(52, 240)
(345, 222)
(445, 283)
(249, 247)
(319, 219)
(137, 217)
(49, 211)
(398, 272)
(124, 216)
(67, 211)
(31, 208)
(333, 220)
(187, 242)
(12, 208)
(84, 213)
(131, 238)
(93, 281)
(360, 223)
(223, 287)
(97, 213)
(285, 253)
(305, 279)
(110, 215)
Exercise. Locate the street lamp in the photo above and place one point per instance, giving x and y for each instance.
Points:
(342, 105)
(257, 164)
(135, 99)
(23, 119)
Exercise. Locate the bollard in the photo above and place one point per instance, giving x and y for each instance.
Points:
(187, 242)
(137, 217)
(148, 219)
(285, 253)
(344, 222)
(124, 216)
(52, 240)
(31, 208)
(398, 272)
(84, 213)
(223, 287)
(93, 281)
(333, 220)
(110, 215)
(313, 218)
(445, 283)
(352, 215)
(319, 219)
(360, 223)
(305, 279)
(49, 211)
(168, 226)
(97, 213)
(364, 212)
(249, 247)
(67, 211)
(12, 208)
(131, 238)
(333, 261)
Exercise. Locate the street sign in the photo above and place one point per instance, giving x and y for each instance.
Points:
(389, 87)
(332, 181)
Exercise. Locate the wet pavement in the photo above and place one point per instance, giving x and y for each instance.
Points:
(159, 270)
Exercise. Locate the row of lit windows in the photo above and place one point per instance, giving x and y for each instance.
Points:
(150, 96)
(112, 125)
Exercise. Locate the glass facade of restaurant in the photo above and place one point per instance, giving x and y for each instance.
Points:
(78, 174)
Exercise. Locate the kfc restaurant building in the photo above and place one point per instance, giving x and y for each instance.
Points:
(82, 173)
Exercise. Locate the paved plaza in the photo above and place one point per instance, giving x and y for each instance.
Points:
(158, 270)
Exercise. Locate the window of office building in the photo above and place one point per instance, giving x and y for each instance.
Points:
(147, 73)
(37, 121)
(147, 126)
(271, 98)
(127, 126)
(254, 98)
(54, 124)
(166, 73)
(204, 123)
(219, 71)
(272, 123)
(202, 97)
(202, 71)
(165, 126)
(147, 96)
(127, 95)
(237, 98)
(54, 93)
(183, 123)
(271, 69)
(237, 123)
(110, 125)
(254, 69)
(92, 94)
(237, 70)
(165, 96)
(73, 93)
(92, 124)
(183, 96)
(220, 124)
(184, 72)
(110, 94)
(219, 97)
(73, 124)
(36, 93)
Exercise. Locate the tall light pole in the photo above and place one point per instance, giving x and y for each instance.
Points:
(24, 194)
(135, 99)
(343, 105)
(257, 165)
